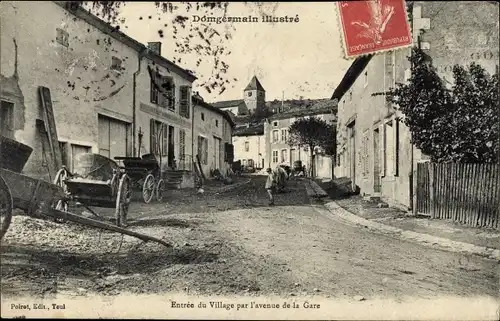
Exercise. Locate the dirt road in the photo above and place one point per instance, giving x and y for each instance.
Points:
(233, 243)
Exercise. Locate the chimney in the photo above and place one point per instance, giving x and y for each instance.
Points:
(155, 47)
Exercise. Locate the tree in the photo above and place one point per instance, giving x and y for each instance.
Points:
(316, 134)
(457, 124)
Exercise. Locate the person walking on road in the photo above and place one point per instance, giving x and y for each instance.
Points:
(270, 185)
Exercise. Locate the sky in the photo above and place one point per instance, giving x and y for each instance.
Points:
(294, 60)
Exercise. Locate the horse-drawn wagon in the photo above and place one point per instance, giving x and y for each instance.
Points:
(41, 198)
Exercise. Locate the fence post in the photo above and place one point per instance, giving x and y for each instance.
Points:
(431, 189)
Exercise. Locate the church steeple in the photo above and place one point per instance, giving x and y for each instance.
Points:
(255, 95)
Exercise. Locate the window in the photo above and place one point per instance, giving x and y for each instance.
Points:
(62, 37)
(159, 138)
(203, 149)
(275, 156)
(284, 156)
(247, 146)
(249, 94)
(184, 103)
(202, 116)
(216, 123)
(162, 91)
(116, 64)
(284, 135)
(275, 136)
(275, 124)
(7, 119)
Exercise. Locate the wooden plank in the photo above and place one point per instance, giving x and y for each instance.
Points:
(496, 196)
(463, 192)
(468, 196)
(456, 190)
(487, 212)
(483, 216)
(50, 123)
(475, 191)
(440, 185)
(432, 188)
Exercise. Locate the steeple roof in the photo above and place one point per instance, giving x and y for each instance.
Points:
(254, 85)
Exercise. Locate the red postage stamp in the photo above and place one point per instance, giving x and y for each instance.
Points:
(374, 25)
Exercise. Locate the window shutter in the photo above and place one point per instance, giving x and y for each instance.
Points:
(184, 107)
(152, 136)
(172, 97)
(164, 137)
(182, 143)
(226, 152)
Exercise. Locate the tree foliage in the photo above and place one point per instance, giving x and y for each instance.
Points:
(204, 41)
(457, 124)
(315, 133)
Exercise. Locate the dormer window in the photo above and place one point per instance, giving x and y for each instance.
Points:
(249, 94)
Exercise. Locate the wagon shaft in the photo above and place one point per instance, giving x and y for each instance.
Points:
(90, 222)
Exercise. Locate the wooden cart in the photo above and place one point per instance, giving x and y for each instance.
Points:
(145, 175)
(100, 183)
(40, 198)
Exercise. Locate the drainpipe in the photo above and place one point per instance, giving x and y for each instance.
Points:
(134, 94)
(192, 134)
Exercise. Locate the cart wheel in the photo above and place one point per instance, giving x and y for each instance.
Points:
(122, 201)
(62, 174)
(148, 188)
(160, 188)
(6, 207)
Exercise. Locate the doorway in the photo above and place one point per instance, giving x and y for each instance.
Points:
(376, 161)
(352, 154)
(217, 143)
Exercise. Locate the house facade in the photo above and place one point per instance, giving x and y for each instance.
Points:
(100, 82)
(212, 135)
(250, 145)
(279, 152)
(373, 145)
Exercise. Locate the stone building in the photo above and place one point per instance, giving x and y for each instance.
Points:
(102, 86)
(373, 146)
(212, 137)
(276, 131)
(250, 145)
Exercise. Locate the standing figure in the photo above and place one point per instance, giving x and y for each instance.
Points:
(270, 185)
(280, 179)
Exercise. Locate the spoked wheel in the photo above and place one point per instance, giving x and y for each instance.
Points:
(123, 201)
(62, 174)
(148, 188)
(160, 188)
(6, 207)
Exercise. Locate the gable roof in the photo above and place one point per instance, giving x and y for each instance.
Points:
(228, 103)
(254, 85)
(106, 28)
(326, 106)
(254, 130)
(351, 75)
(198, 102)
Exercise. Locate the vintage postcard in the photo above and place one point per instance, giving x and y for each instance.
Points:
(249, 160)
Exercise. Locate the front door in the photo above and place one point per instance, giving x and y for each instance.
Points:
(217, 143)
(376, 161)
(352, 154)
(171, 146)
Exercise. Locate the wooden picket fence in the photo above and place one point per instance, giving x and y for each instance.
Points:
(465, 193)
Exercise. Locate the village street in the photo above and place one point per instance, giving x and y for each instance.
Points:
(233, 243)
